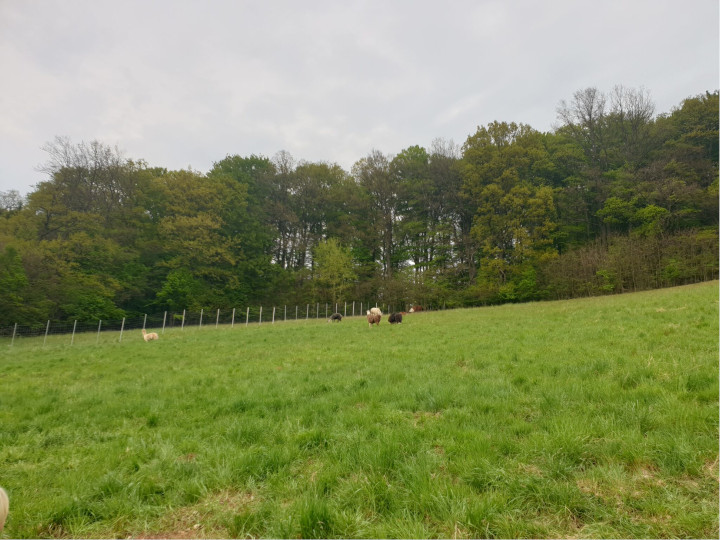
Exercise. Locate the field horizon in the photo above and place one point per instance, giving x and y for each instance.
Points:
(585, 418)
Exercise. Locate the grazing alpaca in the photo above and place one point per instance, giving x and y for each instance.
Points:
(395, 318)
(335, 317)
(373, 317)
(4, 508)
(415, 309)
(150, 336)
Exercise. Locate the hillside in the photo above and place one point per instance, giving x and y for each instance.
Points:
(592, 417)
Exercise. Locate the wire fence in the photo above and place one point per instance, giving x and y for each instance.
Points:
(50, 331)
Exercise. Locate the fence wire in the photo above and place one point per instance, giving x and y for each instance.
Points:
(169, 320)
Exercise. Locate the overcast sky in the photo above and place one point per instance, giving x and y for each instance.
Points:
(183, 83)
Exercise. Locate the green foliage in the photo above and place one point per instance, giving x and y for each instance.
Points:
(616, 211)
(651, 219)
(83, 298)
(373, 174)
(612, 200)
(14, 284)
(180, 291)
(334, 268)
(634, 262)
(515, 216)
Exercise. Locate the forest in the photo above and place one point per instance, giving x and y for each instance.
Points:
(615, 198)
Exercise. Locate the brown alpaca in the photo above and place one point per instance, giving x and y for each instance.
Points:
(373, 318)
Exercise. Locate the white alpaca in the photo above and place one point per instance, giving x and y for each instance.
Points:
(150, 336)
(376, 311)
(4, 508)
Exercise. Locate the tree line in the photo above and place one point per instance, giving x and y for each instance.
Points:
(616, 198)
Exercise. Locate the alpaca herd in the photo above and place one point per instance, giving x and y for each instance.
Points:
(374, 315)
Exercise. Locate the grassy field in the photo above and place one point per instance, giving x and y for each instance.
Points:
(587, 418)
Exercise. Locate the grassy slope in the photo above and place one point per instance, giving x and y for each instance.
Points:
(587, 418)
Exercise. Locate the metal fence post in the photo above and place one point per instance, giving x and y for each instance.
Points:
(98, 336)
(122, 327)
(201, 315)
(182, 325)
(217, 319)
(12, 342)
(232, 323)
(47, 329)
(164, 319)
(72, 339)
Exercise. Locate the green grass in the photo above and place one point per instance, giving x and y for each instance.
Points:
(586, 418)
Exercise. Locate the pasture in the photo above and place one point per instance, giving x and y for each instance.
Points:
(594, 417)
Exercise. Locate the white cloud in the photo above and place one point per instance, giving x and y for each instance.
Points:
(185, 82)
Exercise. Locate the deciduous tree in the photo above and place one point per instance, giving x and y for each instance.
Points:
(334, 268)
